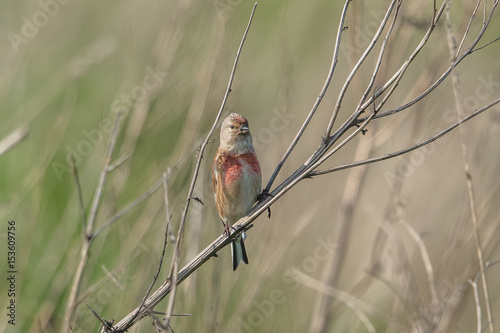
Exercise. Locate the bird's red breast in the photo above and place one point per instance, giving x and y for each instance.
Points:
(237, 183)
(234, 166)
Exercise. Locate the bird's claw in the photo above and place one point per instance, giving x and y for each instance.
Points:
(227, 229)
(265, 193)
(261, 197)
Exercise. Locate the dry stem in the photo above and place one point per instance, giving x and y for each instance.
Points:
(87, 234)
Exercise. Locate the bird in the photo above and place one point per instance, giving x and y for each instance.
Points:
(236, 179)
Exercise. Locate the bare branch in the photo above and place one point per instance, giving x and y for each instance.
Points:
(152, 190)
(318, 100)
(467, 30)
(409, 149)
(444, 75)
(379, 60)
(102, 179)
(358, 65)
(87, 233)
(165, 241)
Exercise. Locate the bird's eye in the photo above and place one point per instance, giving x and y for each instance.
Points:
(232, 127)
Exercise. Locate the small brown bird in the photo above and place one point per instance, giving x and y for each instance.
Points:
(236, 178)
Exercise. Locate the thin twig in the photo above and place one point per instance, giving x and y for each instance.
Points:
(380, 57)
(357, 67)
(174, 269)
(478, 306)
(165, 241)
(152, 190)
(102, 179)
(402, 69)
(79, 191)
(119, 270)
(443, 76)
(342, 296)
(468, 176)
(406, 150)
(425, 258)
(87, 239)
(118, 162)
(318, 100)
(13, 139)
(486, 45)
(473, 283)
(353, 120)
(107, 325)
(467, 30)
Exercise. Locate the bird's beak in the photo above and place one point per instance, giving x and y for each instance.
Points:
(244, 129)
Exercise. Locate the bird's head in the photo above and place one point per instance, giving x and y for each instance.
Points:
(235, 134)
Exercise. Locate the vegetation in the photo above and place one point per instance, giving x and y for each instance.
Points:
(389, 246)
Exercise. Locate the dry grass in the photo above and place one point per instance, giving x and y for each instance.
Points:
(408, 248)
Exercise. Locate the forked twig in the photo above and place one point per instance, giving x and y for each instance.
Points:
(361, 60)
(444, 75)
(87, 229)
(152, 190)
(96, 202)
(318, 100)
(165, 241)
(474, 286)
(409, 149)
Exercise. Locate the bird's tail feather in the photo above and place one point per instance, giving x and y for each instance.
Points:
(238, 252)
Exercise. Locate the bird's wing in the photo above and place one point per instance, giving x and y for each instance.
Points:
(216, 170)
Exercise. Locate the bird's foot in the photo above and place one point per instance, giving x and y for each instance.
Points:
(262, 196)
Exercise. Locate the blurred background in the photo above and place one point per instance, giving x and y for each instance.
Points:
(388, 248)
